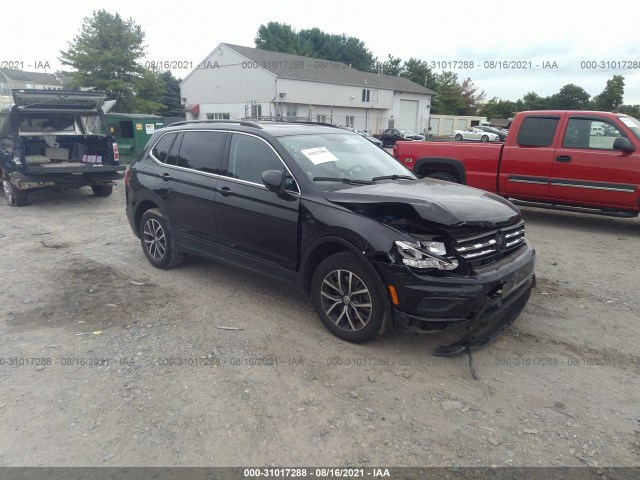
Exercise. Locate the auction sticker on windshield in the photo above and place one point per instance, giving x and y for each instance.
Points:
(319, 155)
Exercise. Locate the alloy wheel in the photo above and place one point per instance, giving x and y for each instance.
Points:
(346, 300)
(155, 240)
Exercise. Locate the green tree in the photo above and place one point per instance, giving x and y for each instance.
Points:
(278, 37)
(419, 72)
(570, 97)
(105, 56)
(612, 96)
(631, 110)
(472, 97)
(149, 91)
(448, 99)
(391, 66)
(533, 101)
(315, 43)
(170, 96)
(496, 108)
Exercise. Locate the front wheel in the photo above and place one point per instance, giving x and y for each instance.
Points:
(15, 197)
(348, 298)
(484, 139)
(157, 240)
(458, 137)
(102, 190)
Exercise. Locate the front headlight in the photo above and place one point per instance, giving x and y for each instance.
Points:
(425, 255)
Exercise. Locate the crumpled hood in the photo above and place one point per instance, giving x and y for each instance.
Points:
(445, 203)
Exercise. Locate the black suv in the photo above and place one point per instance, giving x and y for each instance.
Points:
(328, 211)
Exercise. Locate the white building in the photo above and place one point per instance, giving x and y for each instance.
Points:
(236, 82)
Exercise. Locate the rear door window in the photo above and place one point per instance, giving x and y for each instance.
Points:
(537, 131)
(161, 149)
(202, 151)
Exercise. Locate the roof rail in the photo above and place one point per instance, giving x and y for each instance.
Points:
(302, 122)
(243, 123)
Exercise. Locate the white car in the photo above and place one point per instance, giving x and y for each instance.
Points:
(476, 134)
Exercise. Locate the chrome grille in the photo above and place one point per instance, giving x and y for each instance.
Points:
(490, 243)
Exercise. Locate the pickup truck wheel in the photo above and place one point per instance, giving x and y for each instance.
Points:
(447, 177)
(484, 138)
(15, 197)
(157, 240)
(102, 190)
(348, 299)
(458, 137)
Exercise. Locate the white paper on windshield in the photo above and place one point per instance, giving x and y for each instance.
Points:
(319, 155)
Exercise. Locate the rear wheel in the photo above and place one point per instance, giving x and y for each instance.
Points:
(15, 197)
(157, 240)
(447, 177)
(484, 138)
(348, 298)
(458, 137)
(102, 190)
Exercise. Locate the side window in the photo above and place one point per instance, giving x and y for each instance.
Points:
(161, 149)
(172, 158)
(201, 151)
(590, 133)
(249, 157)
(537, 131)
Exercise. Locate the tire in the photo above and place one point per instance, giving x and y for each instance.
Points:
(15, 197)
(157, 240)
(382, 144)
(102, 190)
(484, 139)
(458, 137)
(447, 177)
(339, 284)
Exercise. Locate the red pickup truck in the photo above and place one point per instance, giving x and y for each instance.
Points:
(570, 160)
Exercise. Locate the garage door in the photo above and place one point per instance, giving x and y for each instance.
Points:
(447, 127)
(408, 115)
(434, 123)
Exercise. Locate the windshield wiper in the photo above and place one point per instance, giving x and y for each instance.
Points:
(343, 180)
(393, 177)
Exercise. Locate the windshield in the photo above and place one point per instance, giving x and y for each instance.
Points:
(341, 156)
(408, 132)
(633, 124)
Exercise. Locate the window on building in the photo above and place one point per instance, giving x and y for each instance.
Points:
(218, 116)
(292, 110)
(4, 88)
(349, 121)
(366, 95)
(321, 118)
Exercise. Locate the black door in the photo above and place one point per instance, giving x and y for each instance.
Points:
(187, 186)
(257, 229)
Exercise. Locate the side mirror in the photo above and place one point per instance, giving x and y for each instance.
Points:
(624, 144)
(273, 180)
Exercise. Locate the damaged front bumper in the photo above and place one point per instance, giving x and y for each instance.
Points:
(483, 304)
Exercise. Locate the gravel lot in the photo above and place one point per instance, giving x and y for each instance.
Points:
(106, 361)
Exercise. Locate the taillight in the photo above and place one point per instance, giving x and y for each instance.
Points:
(116, 153)
(127, 177)
(395, 151)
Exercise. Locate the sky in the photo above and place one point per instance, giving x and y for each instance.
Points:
(579, 42)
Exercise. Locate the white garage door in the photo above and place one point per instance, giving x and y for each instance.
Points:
(434, 123)
(408, 115)
(447, 127)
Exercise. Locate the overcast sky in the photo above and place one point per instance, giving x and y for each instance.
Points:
(540, 32)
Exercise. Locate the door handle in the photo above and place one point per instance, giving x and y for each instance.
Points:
(226, 191)
(166, 176)
(563, 158)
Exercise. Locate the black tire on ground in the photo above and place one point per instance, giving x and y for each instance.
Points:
(349, 299)
(15, 197)
(102, 190)
(458, 137)
(157, 240)
(484, 138)
(447, 177)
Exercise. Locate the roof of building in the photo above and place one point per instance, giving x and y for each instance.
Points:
(299, 67)
(34, 77)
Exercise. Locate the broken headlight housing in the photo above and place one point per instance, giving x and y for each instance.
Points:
(425, 255)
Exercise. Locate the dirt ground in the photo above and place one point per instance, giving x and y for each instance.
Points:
(107, 361)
